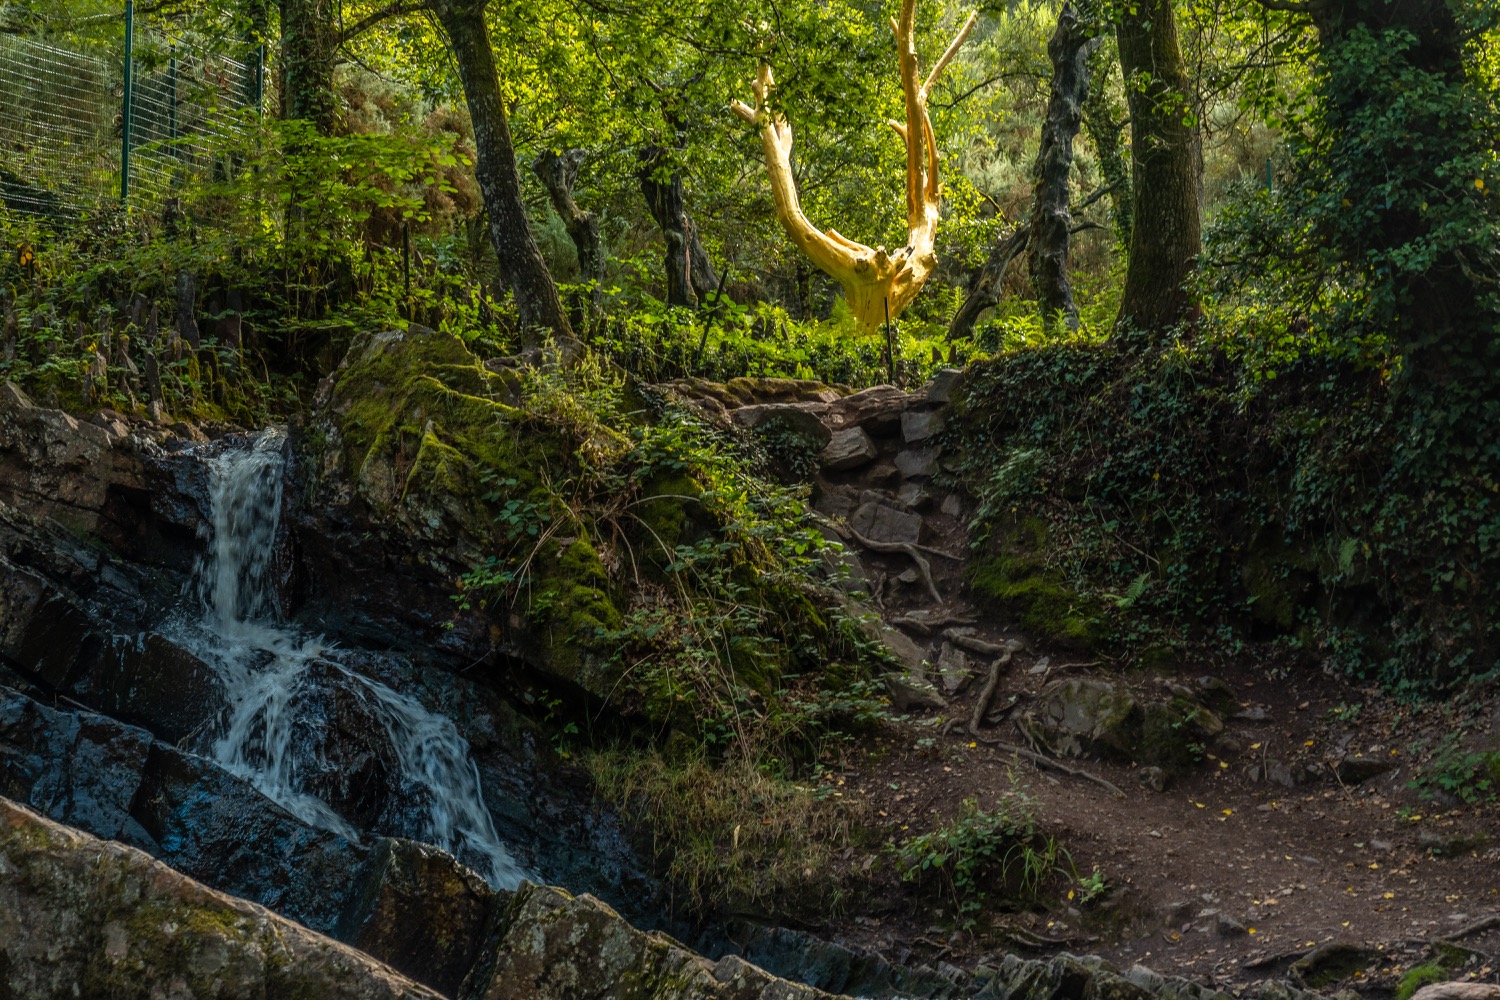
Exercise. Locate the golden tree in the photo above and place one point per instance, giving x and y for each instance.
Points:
(876, 283)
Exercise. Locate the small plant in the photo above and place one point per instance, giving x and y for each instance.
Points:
(981, 848)
(1471, 776)
(1091, 887)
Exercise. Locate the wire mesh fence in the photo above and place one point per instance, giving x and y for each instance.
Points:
(117, 111)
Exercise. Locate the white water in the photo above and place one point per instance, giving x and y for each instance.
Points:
(264, 666)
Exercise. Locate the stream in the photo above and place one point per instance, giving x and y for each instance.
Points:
(283, 687)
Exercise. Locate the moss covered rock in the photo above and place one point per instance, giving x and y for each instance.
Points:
(85, 917)
(449, 476)
(1017, 575)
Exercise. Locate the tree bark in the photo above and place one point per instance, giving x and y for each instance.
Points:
(690, 273)
(521, 264)
(557, 173)
(1105, 120)
(308, 40)
(988, 284)
(1051, 222)
(1166, 237)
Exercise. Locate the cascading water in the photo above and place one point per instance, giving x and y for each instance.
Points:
(271, 674)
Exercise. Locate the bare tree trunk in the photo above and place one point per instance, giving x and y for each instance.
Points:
(557, 173)
(521, 263)
(986, 288)
(308, 41)
(1105, 120)
(690, 273)
(1166, 237)
(1051, 222)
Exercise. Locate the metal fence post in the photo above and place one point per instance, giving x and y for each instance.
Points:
(125, 114)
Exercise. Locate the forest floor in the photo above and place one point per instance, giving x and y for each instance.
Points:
(1268, 848)
(1374, 865)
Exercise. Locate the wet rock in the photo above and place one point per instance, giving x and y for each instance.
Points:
(917, 462)
(920, 425)
(52, 463)
(81, 916)
(215, 828)
(344, 756)
(422, 912)
(552, 946)
(881, 522)
(79, 769)
(41, 630)
(149, 681)
(848, 449)
(944, 385)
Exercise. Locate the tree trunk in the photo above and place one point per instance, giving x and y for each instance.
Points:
(986, 288)
(1051, 222)
(1166, 237)
(308, 41)
(557, 173)
(1437, 313)
(520, 261)
(1105, 120)
(690, 273)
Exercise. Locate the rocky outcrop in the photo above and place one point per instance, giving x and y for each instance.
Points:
(553, 946)
(85, 917)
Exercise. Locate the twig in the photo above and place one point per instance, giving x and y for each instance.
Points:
(1048, 763)
(923, 566)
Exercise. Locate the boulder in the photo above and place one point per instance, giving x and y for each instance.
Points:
(86, 917)
(913, 463)
(848, 449)
(149, 681)
(881, 522)
(553, 946)
(800, 419)
(944, 385)
(919, 425)
(1082, 715)
(953, 667)
(877, 410)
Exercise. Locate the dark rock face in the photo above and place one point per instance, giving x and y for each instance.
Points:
(82, 770)
(423, 910)
(213, 827)
(84, 917)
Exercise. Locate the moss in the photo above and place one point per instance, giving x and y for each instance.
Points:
(668, 516)
(1019, 576)
(572, 603)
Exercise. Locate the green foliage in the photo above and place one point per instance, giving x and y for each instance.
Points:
(1471, 776)
(731, 837)
(980, 850)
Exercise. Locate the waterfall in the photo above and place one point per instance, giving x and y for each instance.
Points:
(279, 684)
